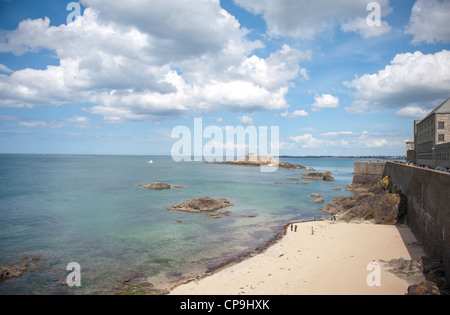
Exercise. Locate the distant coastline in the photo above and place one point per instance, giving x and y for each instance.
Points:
(376, 157)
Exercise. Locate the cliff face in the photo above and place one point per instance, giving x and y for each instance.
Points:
(378, 205)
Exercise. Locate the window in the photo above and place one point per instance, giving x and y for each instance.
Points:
(441, 138)
(441, 125)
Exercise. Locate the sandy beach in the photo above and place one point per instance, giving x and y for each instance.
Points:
(332, 261)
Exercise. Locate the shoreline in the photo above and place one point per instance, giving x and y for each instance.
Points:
(333, 261)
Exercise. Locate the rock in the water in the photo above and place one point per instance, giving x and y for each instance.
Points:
(319, 200)
(157, 186)
(9, 271)
(201, 205)
(18, 269)
(316, 195)
(217, 215)
(319, 176)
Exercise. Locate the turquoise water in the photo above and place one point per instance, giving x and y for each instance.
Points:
(90, 210)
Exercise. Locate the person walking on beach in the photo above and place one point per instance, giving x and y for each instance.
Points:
(292, 226)
(312, 231)
(295, 229)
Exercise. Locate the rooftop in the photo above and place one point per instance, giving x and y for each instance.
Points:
(444, 108)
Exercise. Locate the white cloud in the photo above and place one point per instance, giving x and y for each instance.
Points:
(8, 118)
(149, 61)
(340, 133)
(4, 68)
(307, 141)
(295, 114)
(305, 19)
(360, 26)
(376, 143)
(247, 120)
(412, 112)
(80, 122)
(429, 21)
(280, 67)
(325, 101)
(346, 139)
(410, 79)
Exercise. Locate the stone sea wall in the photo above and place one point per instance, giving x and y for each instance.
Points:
(428, 202)
(428, 207)
(368, 173)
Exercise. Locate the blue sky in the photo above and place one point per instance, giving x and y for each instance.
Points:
(120, 77)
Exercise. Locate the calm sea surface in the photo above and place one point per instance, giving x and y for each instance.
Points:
(90, 210)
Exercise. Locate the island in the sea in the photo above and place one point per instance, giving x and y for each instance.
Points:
(253, 159)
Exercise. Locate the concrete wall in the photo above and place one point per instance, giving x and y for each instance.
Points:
(368, 173)
(428, 216)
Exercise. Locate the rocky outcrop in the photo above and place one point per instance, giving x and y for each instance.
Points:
(16, 270)
(426, 276)
(424, 288)
(203, 204)
(255, 160)
(9, 271)
(157, 186)
(379, 205)
(319, 176)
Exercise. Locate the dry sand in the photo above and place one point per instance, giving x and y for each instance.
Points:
(333, 261)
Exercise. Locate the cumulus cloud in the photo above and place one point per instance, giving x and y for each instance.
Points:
(411, 79)
(346, 139)
(149, 60)
(307, 141)
(305, 19)
(412, 112)
(429, 21)
(360, 26)
(325, 101)
(247, 120)
(295, 114)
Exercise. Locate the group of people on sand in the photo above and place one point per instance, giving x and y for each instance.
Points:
(294, 228)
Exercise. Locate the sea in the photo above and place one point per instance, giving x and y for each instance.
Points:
(90, 210)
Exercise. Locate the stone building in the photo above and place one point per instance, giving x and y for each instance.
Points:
(410, 151)
(432, 138)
